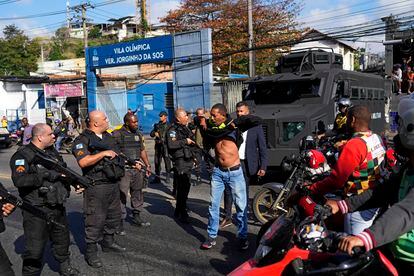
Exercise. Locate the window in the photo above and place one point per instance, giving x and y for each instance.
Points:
(362, 93)
(41, 99)
(370, 94)
(354, 93)
(286, 92)
(291, 129)
(149, 102)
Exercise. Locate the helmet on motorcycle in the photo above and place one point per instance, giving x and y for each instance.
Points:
(316, 159)
(406, 122)
(344, 102)
(307, 143)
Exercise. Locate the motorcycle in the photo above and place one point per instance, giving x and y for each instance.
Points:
(270, 201)
(290, 245)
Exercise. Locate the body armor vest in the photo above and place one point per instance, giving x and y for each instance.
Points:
(131, 144)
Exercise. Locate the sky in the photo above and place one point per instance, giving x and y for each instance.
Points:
(319, 14)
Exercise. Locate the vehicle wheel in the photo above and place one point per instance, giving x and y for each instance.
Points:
(261, 205)
(263, 230)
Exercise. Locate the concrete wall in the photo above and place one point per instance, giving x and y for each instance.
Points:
(12, 98)
(26, 99)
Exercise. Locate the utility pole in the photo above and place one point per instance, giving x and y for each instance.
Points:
(68, 14)
(252, 61)
(144, 22)
(141, 15)
(390, 28)
(82, 8)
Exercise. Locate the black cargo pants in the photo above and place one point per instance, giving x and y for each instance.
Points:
(102, 210)
(37, 232)
(159, 154)
(5, 265)
(182, 178)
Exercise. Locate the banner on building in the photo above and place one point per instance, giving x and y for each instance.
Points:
(73, 89)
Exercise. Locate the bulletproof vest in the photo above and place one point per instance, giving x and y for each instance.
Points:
(182, 132)
(131, 144)
(49, 193)
(162, 130)
(105, 170)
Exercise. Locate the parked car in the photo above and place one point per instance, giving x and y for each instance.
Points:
(5, 139)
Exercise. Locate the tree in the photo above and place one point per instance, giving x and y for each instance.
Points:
(19, 54)
(273, 23)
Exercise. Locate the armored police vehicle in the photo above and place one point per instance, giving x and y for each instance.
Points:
(304, 94)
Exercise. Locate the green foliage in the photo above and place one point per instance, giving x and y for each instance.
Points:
(95, 33)
(19, 54)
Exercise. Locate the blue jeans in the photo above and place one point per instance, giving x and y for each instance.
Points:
(235, 181)
(358, 221)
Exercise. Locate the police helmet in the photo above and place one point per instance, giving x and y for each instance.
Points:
(307, 143)
(406, 122)
(344, 102)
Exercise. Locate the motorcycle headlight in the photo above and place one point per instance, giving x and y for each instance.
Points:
(261, 252)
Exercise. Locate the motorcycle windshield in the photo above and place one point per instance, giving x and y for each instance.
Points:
(277, 238)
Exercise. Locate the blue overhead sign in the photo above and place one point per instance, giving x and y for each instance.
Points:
(147, 50)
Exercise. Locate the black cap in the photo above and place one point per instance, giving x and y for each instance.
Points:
(163, 113)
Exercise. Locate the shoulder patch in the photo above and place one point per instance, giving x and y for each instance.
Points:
(19, 162)
(172, 134)
(79, 146)
(20, 169)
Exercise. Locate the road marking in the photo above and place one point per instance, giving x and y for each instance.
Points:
(5, 176)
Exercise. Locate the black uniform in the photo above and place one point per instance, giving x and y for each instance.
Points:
(43, 188)
(131, 144)
(183, 161)
(160, 148)
(5, 265)
(102, 206)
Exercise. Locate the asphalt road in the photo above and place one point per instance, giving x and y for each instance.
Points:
(165, 248)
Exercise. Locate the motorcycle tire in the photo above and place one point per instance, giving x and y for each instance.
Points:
(261, 204)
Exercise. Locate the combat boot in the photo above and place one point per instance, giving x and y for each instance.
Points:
(91, 255)
(138, 221)
(167, 178)
(109, 245)
(121, 230)
(66, 269)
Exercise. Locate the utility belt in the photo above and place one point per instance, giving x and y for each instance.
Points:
(108, 170)
(53, 194)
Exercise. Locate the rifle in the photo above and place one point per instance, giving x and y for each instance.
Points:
(74, 178)
(6, 197)
(129, 161)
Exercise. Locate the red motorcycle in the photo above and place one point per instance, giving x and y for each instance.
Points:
(291, 246)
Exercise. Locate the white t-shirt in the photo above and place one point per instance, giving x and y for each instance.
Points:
(242, 149)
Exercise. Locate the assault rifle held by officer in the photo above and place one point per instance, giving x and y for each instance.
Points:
(132, 162)
(73, 178)
(6, 197)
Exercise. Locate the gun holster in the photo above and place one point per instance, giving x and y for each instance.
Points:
(53, 193)
(187, 153)
(113, 169)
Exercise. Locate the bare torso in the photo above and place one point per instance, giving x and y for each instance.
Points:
(227, 154)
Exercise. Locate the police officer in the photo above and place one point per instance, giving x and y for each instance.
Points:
(131, 143)
(179, 141)
(96, 153)
(158, 132)
(5, 265)
(44, 189)
(340, 119)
